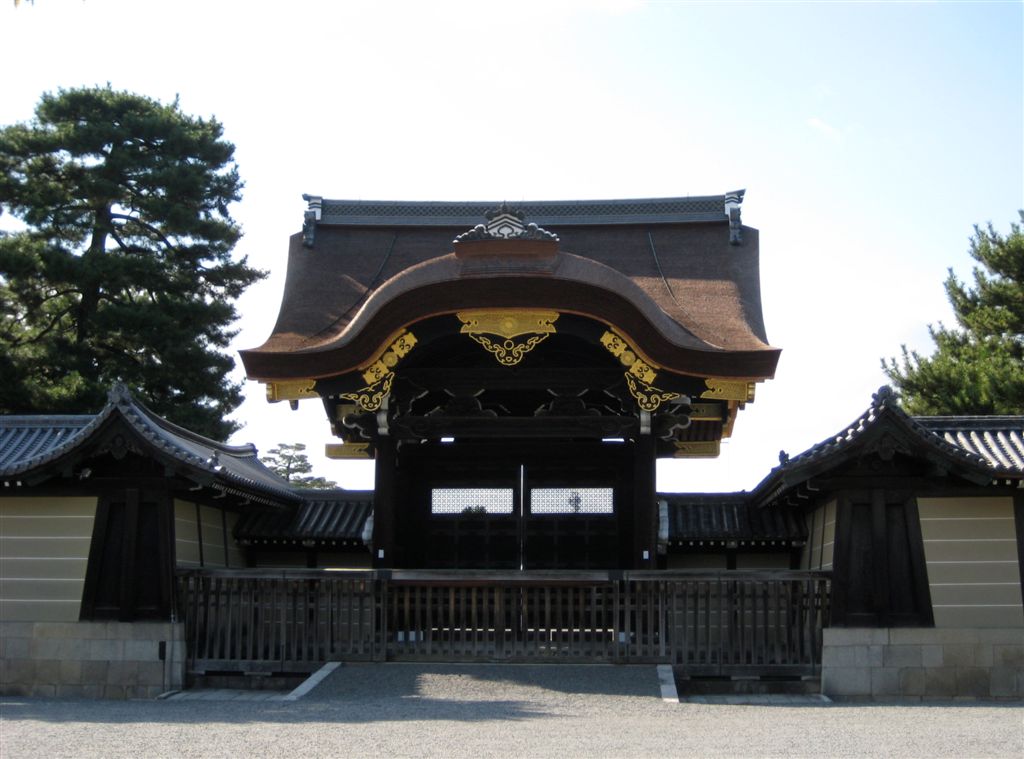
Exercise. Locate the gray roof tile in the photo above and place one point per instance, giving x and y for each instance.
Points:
(29, 443)
(999, 440)
(325, 516)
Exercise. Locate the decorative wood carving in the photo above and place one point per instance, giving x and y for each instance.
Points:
(348, 451)
(508, 334)
(379, 375)
(729, 390)
(291, 390)
(640, 375)
(697, 449)
(371, 397)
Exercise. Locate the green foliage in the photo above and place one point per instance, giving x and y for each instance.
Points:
(290, 461)
(977, 368)
(123, 270)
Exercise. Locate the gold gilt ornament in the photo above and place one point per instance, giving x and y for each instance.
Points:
(291, 390)
(729, 390)
(347, 450)
(372, 396)
(508, 334)
(647, 398)
(379, 375)
(697, 449)
(389, 359)
(640, 375)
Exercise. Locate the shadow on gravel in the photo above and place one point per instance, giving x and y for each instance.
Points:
(364, 693)
(242, 712)
(407, 679)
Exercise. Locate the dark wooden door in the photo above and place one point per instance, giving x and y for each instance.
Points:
(524, 507)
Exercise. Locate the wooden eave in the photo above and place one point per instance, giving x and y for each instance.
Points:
(884, 430)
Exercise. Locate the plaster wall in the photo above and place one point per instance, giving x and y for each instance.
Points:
(970, 548)
(44, 550)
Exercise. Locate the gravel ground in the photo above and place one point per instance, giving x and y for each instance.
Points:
(500, 711)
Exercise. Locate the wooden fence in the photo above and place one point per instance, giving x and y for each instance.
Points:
(707, 623)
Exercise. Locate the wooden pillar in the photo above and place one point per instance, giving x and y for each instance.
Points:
(645, 506)
(130, 571)
(384, 503)
(879, 559)
(126, 584)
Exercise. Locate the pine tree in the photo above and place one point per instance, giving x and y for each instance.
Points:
(290, 461)
(978, 367)
(123, 268)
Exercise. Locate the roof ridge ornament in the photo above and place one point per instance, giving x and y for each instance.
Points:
(884, 397)
(119, 394)
(313, 214)
(733, 201)
(506, 223)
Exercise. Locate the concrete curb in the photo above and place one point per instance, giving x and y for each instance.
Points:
(669, 694)
(312, 681)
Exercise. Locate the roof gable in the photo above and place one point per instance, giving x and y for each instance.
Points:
(980, 449)
(34, 448)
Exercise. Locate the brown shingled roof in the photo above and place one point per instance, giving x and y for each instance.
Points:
(675, 285)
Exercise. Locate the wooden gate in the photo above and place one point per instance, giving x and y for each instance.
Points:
(706, 623)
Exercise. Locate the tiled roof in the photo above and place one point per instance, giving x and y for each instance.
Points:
(324, 517)
(991, 446)
(730, 518)
(997, 439)
(23, 438)
(29, 443)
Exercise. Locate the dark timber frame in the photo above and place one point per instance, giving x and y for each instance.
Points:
(736, 623)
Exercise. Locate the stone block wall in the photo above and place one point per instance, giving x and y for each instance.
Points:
(91, 659)
(923, 663)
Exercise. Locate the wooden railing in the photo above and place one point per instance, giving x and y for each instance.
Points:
(707, 623)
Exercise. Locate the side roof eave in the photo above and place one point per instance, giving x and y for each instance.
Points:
(233, 469)
(884, 414)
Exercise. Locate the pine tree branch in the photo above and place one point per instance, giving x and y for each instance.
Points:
(153, 230)
(49, 327)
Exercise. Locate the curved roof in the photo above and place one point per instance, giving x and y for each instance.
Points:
(664, 267)
(982, 448)
(31, 444)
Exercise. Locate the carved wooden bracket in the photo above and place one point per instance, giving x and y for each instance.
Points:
(508, 334)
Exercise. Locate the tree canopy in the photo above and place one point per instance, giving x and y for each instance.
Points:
(978, 366)
(290, 461)
(121, 269)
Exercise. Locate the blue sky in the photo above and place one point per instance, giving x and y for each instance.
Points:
(870, 138)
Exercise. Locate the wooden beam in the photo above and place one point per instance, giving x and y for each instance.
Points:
(507, 378)
(503, 428)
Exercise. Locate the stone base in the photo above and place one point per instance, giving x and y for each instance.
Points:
(923, 663)
(91, 659)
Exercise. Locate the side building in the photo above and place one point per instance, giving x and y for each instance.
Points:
(97, 515)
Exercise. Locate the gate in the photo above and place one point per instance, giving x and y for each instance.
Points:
(705, 623)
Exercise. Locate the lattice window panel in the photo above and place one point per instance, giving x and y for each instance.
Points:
(572, 501)
(472, 501)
